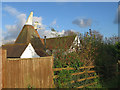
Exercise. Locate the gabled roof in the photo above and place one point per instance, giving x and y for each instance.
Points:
(16, 50)
(30, 35)
(41, 52)
(60, 42)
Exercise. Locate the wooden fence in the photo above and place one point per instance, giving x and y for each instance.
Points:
(37, 72)
(0, 69)
(24, 73)
(91, 73)
(83, 70)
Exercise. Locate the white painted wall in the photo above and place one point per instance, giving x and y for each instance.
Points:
(75, 42)
(29, 52)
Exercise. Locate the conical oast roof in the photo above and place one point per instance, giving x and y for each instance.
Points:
(30, 35)
(27, 35)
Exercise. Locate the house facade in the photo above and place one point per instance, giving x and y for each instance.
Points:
(29, 52)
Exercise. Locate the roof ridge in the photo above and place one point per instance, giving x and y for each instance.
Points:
(17, 44)
(61, 37)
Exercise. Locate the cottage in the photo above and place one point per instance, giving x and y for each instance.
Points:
(68, 43)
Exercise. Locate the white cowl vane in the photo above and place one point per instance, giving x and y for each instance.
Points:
(29, 20)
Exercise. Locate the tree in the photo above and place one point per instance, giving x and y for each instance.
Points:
(52, 29)
(69, 33)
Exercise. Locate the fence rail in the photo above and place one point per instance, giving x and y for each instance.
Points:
(88, 73)
(84, 70)
(59, 69)
(79, 80)
(87, 85)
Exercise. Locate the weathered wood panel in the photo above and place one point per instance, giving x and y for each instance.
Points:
(0, 69)
(30, 72)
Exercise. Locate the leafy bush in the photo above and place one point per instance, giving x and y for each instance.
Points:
(63, 80)
(107, 60)
(93, 51)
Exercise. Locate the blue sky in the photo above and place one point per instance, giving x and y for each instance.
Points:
(77, 16)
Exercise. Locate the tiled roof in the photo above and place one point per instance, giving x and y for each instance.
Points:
(30, 35)
(14, 50)
(60, 42)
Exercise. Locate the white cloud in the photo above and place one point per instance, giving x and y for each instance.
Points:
(10, 34)
(50, 34)
(53, 22)
(21, 19)
(38, 19)
(13, 30)
(11, 10)
(82, 22)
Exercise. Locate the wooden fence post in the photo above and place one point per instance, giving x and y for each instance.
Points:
(2, 58)
(2, 65)
(52, 71)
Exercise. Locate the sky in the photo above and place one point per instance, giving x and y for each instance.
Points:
(62, 16)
